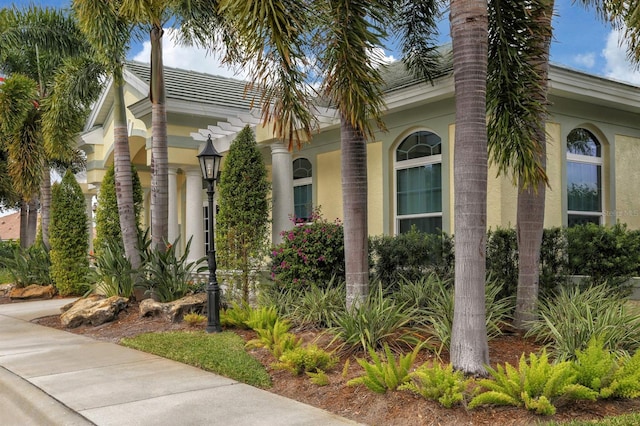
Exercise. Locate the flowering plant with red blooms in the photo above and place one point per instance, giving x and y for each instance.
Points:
(309, 253)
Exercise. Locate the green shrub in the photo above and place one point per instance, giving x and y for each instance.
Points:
(626, 380)
(107, 216)
(570, 319)
(29, 266)
(113, 271)
(194, 319)
(385, 372)
(410, 256)
(7, 249)
(69, 238)
(166, 276)
(537, 385)
(605, 254)
(438, 383)
(319, 377)
(264, 317)
(308, 358)
(243, 219)
(376, 321)
(309, 253)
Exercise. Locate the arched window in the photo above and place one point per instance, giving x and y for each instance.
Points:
(584, 178)
(302, 190)
(418, 169)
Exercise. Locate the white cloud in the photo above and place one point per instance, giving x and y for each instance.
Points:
(587, 60)
(617, 65)
(188, 57)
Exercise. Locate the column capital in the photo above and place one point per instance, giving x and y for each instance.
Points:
(279, 148)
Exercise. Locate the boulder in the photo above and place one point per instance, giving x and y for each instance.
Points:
(174, 311)
(33, 291)
(5, 289)
(94, 310)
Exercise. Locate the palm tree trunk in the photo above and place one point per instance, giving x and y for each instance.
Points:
(45, 204)
(354, 196)
(469, 347)
(531, 201)
(123, 179)
(32, 221)
(159, 148)
(24, 221)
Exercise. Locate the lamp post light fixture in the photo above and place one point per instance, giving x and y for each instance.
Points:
(210, 161)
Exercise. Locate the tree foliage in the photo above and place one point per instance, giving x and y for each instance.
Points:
(244, 209)
(69, 238)
(107, 219)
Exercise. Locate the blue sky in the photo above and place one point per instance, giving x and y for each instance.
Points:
(580, 42)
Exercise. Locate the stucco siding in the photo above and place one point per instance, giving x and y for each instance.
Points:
(627, 180)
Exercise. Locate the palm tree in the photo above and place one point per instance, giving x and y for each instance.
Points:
(45, 46)
(469, 23)
(109, 34)
(520, 36)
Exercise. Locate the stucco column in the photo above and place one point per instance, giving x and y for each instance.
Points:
(174, 230)
(281, 190)
(194, 219)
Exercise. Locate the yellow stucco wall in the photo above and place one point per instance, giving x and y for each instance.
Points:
(375, 197)
(627, 180)
(553, 215)
(329, 187)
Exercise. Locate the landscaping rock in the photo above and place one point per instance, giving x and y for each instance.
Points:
(33, 291)
(175, 311)
(94, 310)
(5, 289)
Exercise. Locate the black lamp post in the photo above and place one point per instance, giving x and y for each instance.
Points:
(210, 165)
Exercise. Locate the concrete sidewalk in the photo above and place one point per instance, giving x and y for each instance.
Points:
(52, 377)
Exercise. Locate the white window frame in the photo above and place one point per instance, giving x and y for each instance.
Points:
(588, 159)
(410, 164)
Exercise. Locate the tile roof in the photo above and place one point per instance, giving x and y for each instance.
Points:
(197, 87)
(10, 227)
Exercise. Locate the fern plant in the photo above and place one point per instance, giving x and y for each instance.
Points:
(309, 358)
(438, 383)
(264, 317)
(318, 378)
(595, 367)
(275, 338)
(626, 380)
(386, 372)
(236, 316)
(536, 385)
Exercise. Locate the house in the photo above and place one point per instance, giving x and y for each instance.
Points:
(593, 145)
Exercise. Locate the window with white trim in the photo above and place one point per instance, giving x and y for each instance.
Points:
(584, 178)
(302, 190)
(418, 174)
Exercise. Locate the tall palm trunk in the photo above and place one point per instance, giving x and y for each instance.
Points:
(159, 148)
(123, 178)
(28, 222)
(469, 347)
(531, 201)
(45, 204)
(354, 197)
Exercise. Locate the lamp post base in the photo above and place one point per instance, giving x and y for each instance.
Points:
(213, 308)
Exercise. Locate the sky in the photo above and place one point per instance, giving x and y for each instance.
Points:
(580, 42)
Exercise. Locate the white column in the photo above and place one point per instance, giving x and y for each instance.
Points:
(194, 219)
(174, 230)
(281, 190)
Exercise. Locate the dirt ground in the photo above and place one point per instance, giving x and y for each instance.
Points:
(357, 402)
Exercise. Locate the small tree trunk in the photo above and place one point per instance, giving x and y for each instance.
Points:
(45, 204)
(354, 196)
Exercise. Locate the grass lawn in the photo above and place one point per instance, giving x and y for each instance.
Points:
(221, 353)
(5, 276)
